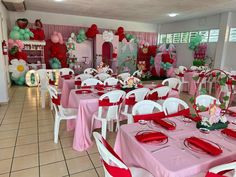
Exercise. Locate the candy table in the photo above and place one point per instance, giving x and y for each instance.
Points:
(175, 160)
(86, 104)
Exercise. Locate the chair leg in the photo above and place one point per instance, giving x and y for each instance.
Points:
(56, 129)
(117, 125)
(51, 106)
(130, 119)
(104, 129)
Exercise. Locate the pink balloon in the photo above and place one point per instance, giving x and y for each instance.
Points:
(54, 38)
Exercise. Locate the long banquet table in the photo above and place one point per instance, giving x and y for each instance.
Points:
(176, 160)
(87, 105)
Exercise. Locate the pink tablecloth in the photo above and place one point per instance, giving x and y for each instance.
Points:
(67, 86)
(188, 76)
(172, 161)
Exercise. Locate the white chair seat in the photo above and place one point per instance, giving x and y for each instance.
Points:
(69, 112)
(139, 172)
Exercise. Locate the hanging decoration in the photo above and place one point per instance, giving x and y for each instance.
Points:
(108, 36)
(81, 37)
(92, 31)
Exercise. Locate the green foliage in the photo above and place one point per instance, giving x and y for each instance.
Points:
(198, 62)
(202, 108)
(191, 100)
(196, 78)
(195, 42)
(203, 91)
(226, 98)
(223, 80)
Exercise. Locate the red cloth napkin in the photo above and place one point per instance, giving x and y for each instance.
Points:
(83, 91)
(153, 116)
(205, 146)
(100, 93)
(140, 86)
(78, 82)
(165, 124)
(130, 101)
(229, 132)
(210, 174)
(98, 87)
(152, 136)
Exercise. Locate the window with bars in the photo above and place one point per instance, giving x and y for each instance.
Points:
(192, 35)
(232, 35)
(169, 38)
(214, 35)
(176, 38)
(204, 35)
(162, 38)
(184, 37)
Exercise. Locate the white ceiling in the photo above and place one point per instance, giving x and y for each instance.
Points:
(150, 11)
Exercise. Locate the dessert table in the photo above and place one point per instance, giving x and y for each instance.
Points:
(172, 159)
(87, 104)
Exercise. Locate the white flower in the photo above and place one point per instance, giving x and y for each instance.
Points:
(18, 68)
(223, 119)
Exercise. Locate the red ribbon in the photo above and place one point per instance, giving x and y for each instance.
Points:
(113, 170)
(56, 101)
(106, 102)
(154, 96)
(130, 101)
(78, 82)
(180, 75)
(51, 82)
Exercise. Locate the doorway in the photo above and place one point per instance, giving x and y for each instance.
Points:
(107, 50)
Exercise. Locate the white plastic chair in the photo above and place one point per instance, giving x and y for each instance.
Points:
(102, 76)
(225, 167)
(161, 92)
(194, 68)
(172, 105)
(112, 112)
(137, 73)
(43, 84)
(138, 95)
(60, 112)
(123, 76)
(203, 81)
(173, 83)
(111, 81)
(83, 77)
(91, 71)
(91, 82)
(109, 157)
(182, 69)
(205, 100)
(66, 71)
(146, 107)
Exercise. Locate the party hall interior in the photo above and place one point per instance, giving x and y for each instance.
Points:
(116, 88)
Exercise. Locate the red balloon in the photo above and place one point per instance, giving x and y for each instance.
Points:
(121, 37)
(120, 30)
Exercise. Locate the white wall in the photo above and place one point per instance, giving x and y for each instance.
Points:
(4, 19)
(63, 19)
(184, 54)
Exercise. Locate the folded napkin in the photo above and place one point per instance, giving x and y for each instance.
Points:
(99, 87)
(153, 116)
(86, 87)
(140, 86)
(165, 124)
(151, 136)
(210, 174)
(205, 146)
(83, 91)
(100, 93)
(229, 132)
(78, 82)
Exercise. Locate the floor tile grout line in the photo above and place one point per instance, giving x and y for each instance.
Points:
(64, 158)
(93, 165)
(16, 135)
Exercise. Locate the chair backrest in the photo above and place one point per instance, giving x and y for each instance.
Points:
(113, 101)
(194, 68)
(137, 73)
(66, 71)
(146, 107)
(205, 100)
(83, 77)
(173, 83)
(43, 78)
(91, 71)
(138, 95)
(111, 81)
(107, 154)
(172, 105)
(224, 168)
(182, 69)
(123, 76)
(102, 76)
(161, 92)
(91, 82)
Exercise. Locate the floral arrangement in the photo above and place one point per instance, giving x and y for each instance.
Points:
(102, 68)
(131, 82)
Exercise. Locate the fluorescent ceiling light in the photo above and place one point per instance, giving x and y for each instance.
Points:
(173, 14)
(58, 0)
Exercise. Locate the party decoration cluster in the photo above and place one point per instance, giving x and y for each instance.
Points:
(92, 31)
(55, 63)
(81, 37)
(18, 33)
(121, 33)
(195, 42)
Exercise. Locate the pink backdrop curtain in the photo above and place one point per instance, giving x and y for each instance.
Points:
(150, 37)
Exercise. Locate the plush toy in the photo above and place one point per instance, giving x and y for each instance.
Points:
(38, 31)
(56, 37)
(92, 31)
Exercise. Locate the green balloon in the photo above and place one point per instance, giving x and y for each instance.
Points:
(22, 31)
(22, 37)
(27, 30)
(16, 28)
(26, 36)
(81, 32)
(31, 34)
(14, 35)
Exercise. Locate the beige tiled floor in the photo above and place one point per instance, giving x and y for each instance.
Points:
(26, 141)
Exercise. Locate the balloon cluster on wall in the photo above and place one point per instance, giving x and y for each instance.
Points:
(55, 63)
(121, 33)
(92, 31)
(81, 37)
(195, 42)
(18, 33)
(15, 50)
